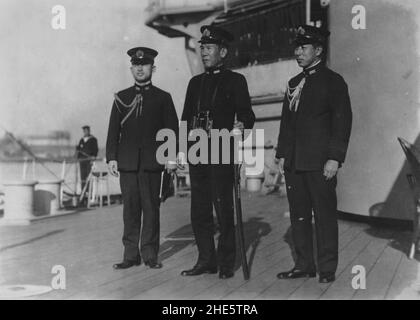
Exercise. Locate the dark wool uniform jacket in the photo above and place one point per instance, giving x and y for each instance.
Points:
(87, 149)
(225, 93)
(232, 97)
(322, 126)
(134, 144)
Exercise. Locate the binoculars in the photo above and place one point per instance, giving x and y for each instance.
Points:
(203, 120)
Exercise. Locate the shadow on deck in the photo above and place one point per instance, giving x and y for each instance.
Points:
(87, 244)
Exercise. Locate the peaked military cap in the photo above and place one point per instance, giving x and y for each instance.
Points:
(217, 35)
(142, 55)
(311, 35)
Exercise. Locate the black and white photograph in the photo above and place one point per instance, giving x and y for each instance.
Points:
(209, 156)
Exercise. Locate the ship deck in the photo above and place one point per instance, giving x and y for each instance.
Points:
(89, 242)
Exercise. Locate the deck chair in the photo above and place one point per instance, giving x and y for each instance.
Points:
(94, 188)
(413, 158)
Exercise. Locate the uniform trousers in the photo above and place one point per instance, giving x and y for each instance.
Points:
(85, 167)
(212, 186)
(140, 195)
(307, 192)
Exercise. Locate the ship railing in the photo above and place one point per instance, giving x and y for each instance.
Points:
(65, 171)
(157, 5)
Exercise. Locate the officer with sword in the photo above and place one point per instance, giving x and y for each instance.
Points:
(214, 100)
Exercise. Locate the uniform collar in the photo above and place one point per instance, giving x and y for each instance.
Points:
(314, 68)
(215, 70)
(143, 86)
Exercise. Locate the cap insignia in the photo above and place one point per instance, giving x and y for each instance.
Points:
(206, 33)
(301, 31)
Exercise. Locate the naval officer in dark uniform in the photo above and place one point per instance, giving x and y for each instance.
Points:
(87, 151)
(314, 135)
(138, 113)
(218, 94)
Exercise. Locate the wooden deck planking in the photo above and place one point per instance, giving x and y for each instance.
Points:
(88, 243)
(72, 231)
(312, 289)
(264, 259)
(256, 285)
(257, 289)
(346, 263)
(136, 280)
(187, 263)
(367, 257)
(81, 275)
(222, 288)
(406, 281)
(67, 246)
(266, 249)
(73, 250)
(289, 289)
(175, 287)
(379, 278)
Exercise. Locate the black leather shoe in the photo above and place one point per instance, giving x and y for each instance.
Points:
(153, 264)
(198, 270)
(296, 274)
(126, 264)
(326, 278)
(226, 274)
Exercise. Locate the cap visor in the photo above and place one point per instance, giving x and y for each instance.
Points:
(143, 61)
(210, 41)
(301, 42)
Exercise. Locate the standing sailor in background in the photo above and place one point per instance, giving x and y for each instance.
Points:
(87, 151)
(213, 99)
(138, 113)
(314, 135)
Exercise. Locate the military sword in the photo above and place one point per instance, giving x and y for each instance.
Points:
(238, 212)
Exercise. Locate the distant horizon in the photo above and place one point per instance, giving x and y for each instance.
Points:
(73, 73)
